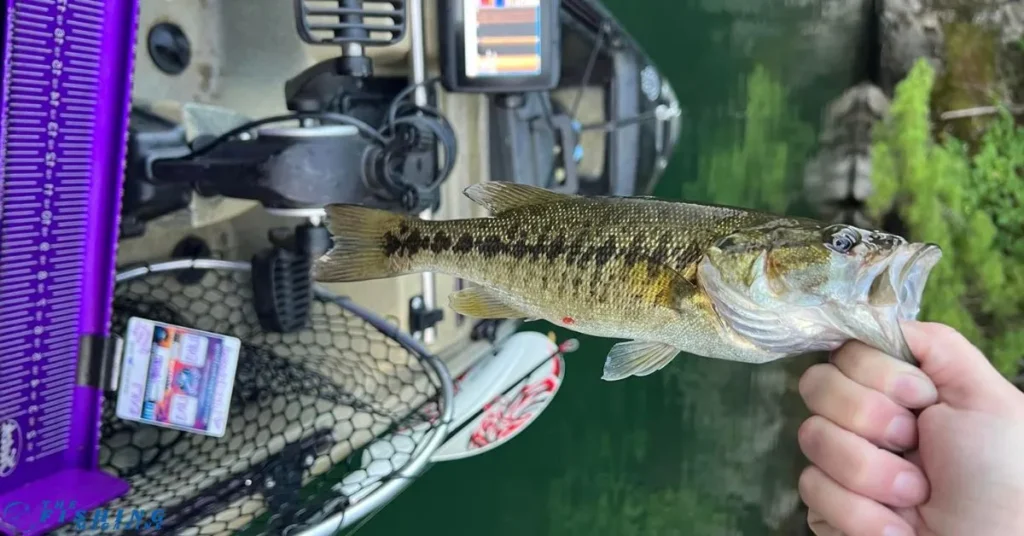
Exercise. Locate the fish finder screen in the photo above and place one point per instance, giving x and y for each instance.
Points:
(502, 37)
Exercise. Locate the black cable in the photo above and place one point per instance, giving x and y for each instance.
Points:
(588, 72)
(296, 116)
(423, 118)
(619, 123)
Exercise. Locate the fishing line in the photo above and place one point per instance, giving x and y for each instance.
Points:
(589, 70)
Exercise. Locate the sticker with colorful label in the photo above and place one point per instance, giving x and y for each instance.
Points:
(177, 377)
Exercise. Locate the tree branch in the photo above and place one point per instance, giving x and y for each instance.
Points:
(978, 112)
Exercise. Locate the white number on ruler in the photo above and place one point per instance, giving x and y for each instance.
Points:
(10, 446)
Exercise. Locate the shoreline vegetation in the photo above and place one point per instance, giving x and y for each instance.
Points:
(962, 189)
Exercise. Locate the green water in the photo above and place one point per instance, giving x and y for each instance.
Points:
(704, 447)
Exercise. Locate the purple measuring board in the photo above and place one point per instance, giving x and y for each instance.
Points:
(66, 97)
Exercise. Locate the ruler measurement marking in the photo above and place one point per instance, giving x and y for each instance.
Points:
(51, 441)
(49, 452)
(58, 172)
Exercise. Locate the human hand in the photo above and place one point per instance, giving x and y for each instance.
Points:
(963, 470)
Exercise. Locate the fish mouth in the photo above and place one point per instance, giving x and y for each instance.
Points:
(896, 289)
(908, 273)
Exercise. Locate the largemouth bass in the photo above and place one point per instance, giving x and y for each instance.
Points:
(669, 277)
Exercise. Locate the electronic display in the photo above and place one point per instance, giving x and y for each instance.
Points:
(500, 46)
(502, 38)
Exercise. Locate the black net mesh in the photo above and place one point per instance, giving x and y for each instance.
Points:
(306, 413)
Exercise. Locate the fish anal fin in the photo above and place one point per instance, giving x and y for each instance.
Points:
(498, 197)
(637, 358)
(479, 302)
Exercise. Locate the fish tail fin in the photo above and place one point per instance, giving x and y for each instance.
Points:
(359, 246)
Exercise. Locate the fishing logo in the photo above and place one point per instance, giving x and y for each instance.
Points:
(96, 521)
(10, 446)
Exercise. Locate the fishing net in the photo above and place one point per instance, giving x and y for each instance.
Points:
(321, 420)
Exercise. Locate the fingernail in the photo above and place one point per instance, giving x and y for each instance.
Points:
(894, 530)
(914, 391)
(910, 487)
(902, 431)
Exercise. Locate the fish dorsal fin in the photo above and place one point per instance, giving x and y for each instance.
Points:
(480, 302)
(498, 197)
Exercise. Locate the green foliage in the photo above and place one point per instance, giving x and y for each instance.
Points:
(969, 78)
(970, 201)
(756, 163)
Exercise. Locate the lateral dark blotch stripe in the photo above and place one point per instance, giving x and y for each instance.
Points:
(586, 253)
(490, 246)
(441, 242)
(415, 242)
(635, 252)
(660, 254)
(464, 244)
(391, 244)
(573, 251)
(518, 248)
(538, 248)
(604, 253)
(555, 248)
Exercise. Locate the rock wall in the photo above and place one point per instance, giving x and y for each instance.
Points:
(837, 180)
(977, 49)
(950, 31)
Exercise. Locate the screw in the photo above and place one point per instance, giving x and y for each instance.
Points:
(169, 48)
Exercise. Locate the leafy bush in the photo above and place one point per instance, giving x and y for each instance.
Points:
(970, 201)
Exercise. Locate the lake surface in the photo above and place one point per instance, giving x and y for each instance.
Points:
(703, 447)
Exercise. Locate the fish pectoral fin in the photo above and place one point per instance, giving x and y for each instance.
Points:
(497, 197)
(637, 358)
(479, 302)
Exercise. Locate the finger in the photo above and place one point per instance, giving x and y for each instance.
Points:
(848, 513)
(819, 526)
(911, 516)
(914, 457)
(902, 382)
(863, 411)
(964, 377)
(860, 466)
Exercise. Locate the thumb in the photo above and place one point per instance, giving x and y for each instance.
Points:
(963, 375)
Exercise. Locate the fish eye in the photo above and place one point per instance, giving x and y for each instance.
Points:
(842, 240)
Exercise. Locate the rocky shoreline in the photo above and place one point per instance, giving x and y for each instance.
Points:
(977, 50)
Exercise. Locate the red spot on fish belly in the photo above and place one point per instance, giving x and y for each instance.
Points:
(568, 320)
